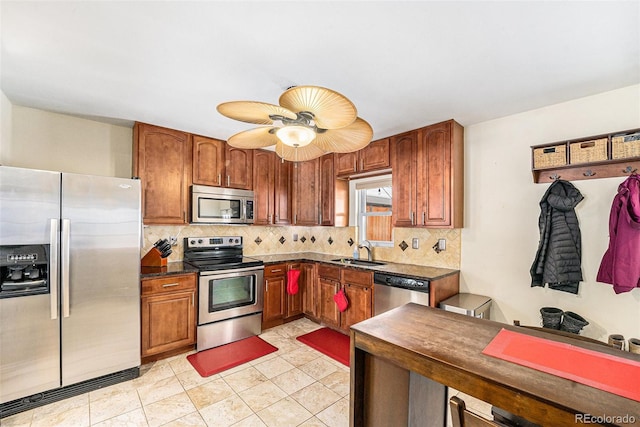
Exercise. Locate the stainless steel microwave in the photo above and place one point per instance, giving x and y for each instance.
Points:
(216, 205)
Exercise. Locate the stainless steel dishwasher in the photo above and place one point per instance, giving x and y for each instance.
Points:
(393, 290)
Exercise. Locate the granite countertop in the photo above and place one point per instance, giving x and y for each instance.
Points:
(170, 269)
(408, 270)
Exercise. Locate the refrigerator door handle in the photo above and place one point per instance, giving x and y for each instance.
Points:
(65, 266)
(53, 267)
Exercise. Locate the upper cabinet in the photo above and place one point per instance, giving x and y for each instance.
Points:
(334, 194)
(428, 176)
(238, 165)
(306, 193)
(217, 164)
(208, 161)
(162, 161)
(272, 189)
(374, 157)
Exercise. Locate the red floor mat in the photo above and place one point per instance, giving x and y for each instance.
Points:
(218, 359)
(600, 370)
(329, 342)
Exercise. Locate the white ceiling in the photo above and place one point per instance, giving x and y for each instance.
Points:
(403, 64)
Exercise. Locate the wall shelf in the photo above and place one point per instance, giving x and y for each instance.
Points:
(602, 156)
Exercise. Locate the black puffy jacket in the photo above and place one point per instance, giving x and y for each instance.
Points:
(558, 260)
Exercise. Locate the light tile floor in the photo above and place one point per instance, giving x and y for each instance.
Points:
(295, 386)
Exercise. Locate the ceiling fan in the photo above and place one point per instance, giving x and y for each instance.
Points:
(309, 122)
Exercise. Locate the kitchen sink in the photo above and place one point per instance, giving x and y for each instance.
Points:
(353, 261)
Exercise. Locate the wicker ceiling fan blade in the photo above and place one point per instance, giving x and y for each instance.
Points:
(254, 138)
(298, 154)
(331, 110)
(253, 111)
(345, 140)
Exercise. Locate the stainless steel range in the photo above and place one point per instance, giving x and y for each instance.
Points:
(230, 293)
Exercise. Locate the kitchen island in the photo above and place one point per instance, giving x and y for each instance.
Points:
(438, 347)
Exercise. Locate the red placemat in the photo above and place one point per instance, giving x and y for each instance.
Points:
(600, 370)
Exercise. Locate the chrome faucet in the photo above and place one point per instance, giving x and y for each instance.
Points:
(367, 245)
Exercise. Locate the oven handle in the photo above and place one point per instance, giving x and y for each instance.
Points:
(231, 270)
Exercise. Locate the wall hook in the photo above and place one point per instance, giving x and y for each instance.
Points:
(629, 170)
(555, 177)
(589, 172)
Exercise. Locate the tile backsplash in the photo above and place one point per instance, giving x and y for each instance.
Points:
(339, 241)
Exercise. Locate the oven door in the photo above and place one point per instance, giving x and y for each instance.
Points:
(227, 294)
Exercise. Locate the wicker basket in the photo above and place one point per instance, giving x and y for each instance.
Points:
(549, 157)
(625, 146)
(588, 151)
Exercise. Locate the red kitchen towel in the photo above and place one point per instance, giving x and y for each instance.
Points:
(604, 371)
(341, 300)
(292, 281)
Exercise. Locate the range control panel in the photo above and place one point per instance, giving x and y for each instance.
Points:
(213, 242)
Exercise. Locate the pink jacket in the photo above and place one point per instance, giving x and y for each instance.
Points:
(620, 264)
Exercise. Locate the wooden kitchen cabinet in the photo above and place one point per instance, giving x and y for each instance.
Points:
(358, 286)
(272, 188)
(168, 316)
(274, 295)
(217, 164)
(328, 285)
(295, 302)
(428, 177)
(306, 193)
(374, 157)
(238, 166)
(208, 161)
(162, 161)
(310, 289)
(334, 194)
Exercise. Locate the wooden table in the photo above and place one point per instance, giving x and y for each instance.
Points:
(415, 341)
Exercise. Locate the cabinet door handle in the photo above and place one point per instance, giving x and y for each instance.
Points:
(219, 179)
(412, 218)
(355, 165)
(193, 299)
(361, 164)
(276, 271)
(295, 218)
(424, 218)
(170, 285)
(228, 180)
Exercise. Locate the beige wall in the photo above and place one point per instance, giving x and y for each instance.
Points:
(50, 141)
(501, 235)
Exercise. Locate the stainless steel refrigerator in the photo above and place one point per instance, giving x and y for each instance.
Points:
(70, 285)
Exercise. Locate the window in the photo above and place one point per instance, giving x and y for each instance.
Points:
(371, 207)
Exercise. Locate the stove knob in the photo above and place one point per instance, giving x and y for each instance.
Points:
(193, 242)
(230, 240)
(237, 241)
(199, 240)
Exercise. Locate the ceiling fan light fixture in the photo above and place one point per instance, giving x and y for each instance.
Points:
(295, 135)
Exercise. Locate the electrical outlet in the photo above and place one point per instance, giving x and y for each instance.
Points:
(295, 237)
(173, 240)
(442, 244)
(415, 243)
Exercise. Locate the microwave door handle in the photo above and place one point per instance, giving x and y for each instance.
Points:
(53, 267)
(244, 210)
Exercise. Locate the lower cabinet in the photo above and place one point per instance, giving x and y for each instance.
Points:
(295, 301)
(274, 295)
(358, 287)
(279, 305)
(168, 315)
